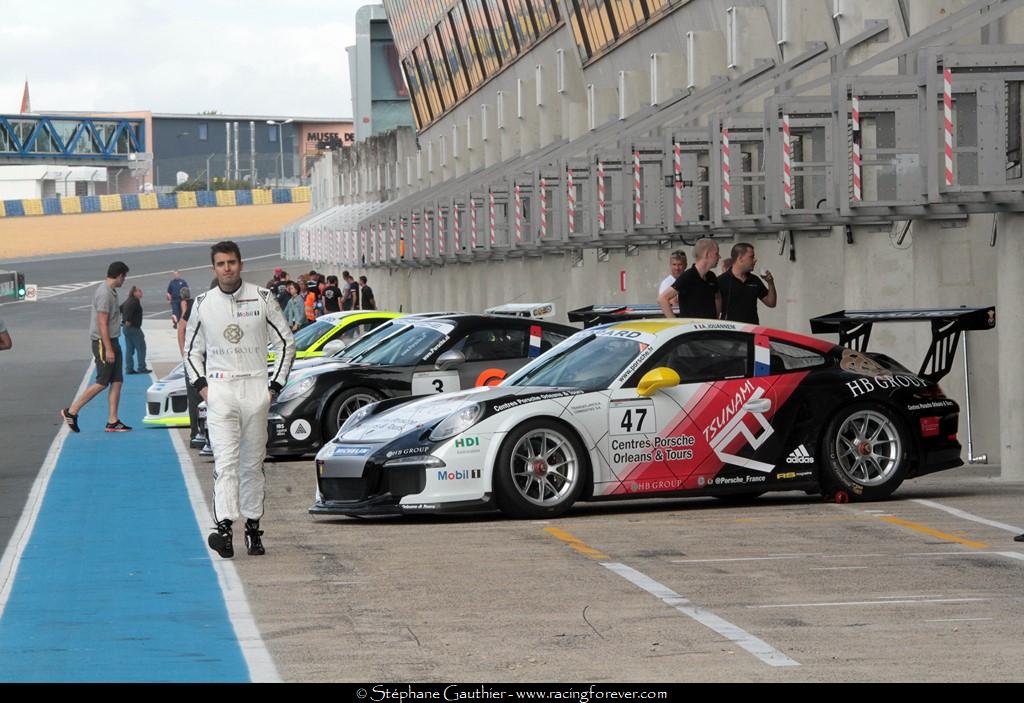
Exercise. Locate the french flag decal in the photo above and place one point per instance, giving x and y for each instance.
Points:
(762, 356)
(535, 334)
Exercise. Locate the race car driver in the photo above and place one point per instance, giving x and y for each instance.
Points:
(226, 361)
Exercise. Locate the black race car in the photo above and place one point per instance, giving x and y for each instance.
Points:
(407, 356)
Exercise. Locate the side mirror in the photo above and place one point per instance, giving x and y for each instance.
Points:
(656, 379)
(333, 347)
(450, 360)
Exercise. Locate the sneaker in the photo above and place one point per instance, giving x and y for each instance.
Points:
(197, 442)
(144, 371)
(253, 543)
(220, 541)
(70, 418)
(118, 427)
(1019, 538)
(131, 371)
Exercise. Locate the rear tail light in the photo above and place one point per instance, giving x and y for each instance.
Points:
(952, 437)
(929, 426)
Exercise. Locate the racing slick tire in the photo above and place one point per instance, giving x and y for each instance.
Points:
(343, 405)
(540, 470)
(865, 452)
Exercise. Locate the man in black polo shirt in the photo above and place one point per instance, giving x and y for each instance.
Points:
(741, 289)
(697, 286)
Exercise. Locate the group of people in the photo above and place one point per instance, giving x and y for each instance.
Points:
(732, 294)
(315, 294)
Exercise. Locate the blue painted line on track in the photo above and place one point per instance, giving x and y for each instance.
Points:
(116, 582)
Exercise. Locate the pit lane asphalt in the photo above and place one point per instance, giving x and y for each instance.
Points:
(51, 345)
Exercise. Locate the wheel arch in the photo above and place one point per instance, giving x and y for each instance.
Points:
(588, 470)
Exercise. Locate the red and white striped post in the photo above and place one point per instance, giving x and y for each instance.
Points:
(382, 244)
(570, 191)
(372, 245)
(726, 178)
(519, 215)
(442, 228)
(677, 169)
(346, 259)
(428, 233)
(415, 227)
(394, 239)
(787, 163)
(947, 106)
(600, 196)
(858, 184)
(636, 187)
(457, 226)
(472, 224)
(543, 208)
(490, 198)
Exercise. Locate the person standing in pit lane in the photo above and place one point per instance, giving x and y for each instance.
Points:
(741, 288)
(5, 337)
(697, 286)
(350, 293)
(104, 330)
(134, 337)
(332, 295)
(294, 313)
(174, 297)
(677, 264)
(229, 329)
(367, 301)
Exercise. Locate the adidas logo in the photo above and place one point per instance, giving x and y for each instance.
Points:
(800, 456)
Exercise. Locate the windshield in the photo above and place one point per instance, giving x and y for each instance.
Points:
(368, 341)
(305, 337)
(405, 348)
(586, 361)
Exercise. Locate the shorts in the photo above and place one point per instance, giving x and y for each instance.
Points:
(107, 373)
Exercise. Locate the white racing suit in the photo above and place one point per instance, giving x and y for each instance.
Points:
(226, 351)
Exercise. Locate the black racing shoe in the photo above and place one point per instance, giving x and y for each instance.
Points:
(221, 540)
(253, 543)
(70, 418)
(1019, 538)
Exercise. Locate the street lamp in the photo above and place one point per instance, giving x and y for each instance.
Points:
(280, 143)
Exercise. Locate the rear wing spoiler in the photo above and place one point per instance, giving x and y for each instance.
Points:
(538, 311)
(854, 330)
(604, 313)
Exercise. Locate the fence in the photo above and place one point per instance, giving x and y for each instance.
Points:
(152, 201)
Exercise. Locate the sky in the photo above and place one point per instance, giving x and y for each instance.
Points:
(244, 57)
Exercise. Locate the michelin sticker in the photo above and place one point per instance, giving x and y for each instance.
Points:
(300, 429)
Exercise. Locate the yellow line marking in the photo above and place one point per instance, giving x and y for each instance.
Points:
(576, 544)
(934, 533)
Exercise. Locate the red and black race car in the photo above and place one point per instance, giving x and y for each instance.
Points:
(657, 408)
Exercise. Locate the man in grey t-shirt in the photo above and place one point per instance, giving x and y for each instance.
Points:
(104, 328)
(5, 336)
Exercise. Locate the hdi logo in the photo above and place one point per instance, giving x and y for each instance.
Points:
(467, 442)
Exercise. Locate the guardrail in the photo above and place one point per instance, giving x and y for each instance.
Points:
(74, 205)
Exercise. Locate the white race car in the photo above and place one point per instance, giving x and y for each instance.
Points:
(645, 409)
(167, 401)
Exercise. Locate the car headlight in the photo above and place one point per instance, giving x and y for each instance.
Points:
(355, 418)
(458, 422)
(296, 389)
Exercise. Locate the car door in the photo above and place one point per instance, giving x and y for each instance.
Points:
(710, 430)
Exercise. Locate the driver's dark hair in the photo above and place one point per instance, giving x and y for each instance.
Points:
(739, 249)
(226, 247)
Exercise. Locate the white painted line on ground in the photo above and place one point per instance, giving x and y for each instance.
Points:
(912, 595)
(756, 646)
(257, 658)
(970, 516)
(709, 561)
(867, 602)
(961, 620)
(1011, 555)
(835, 568)
(30, 513)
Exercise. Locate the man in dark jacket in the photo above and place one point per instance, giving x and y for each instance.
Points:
(134, 337)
